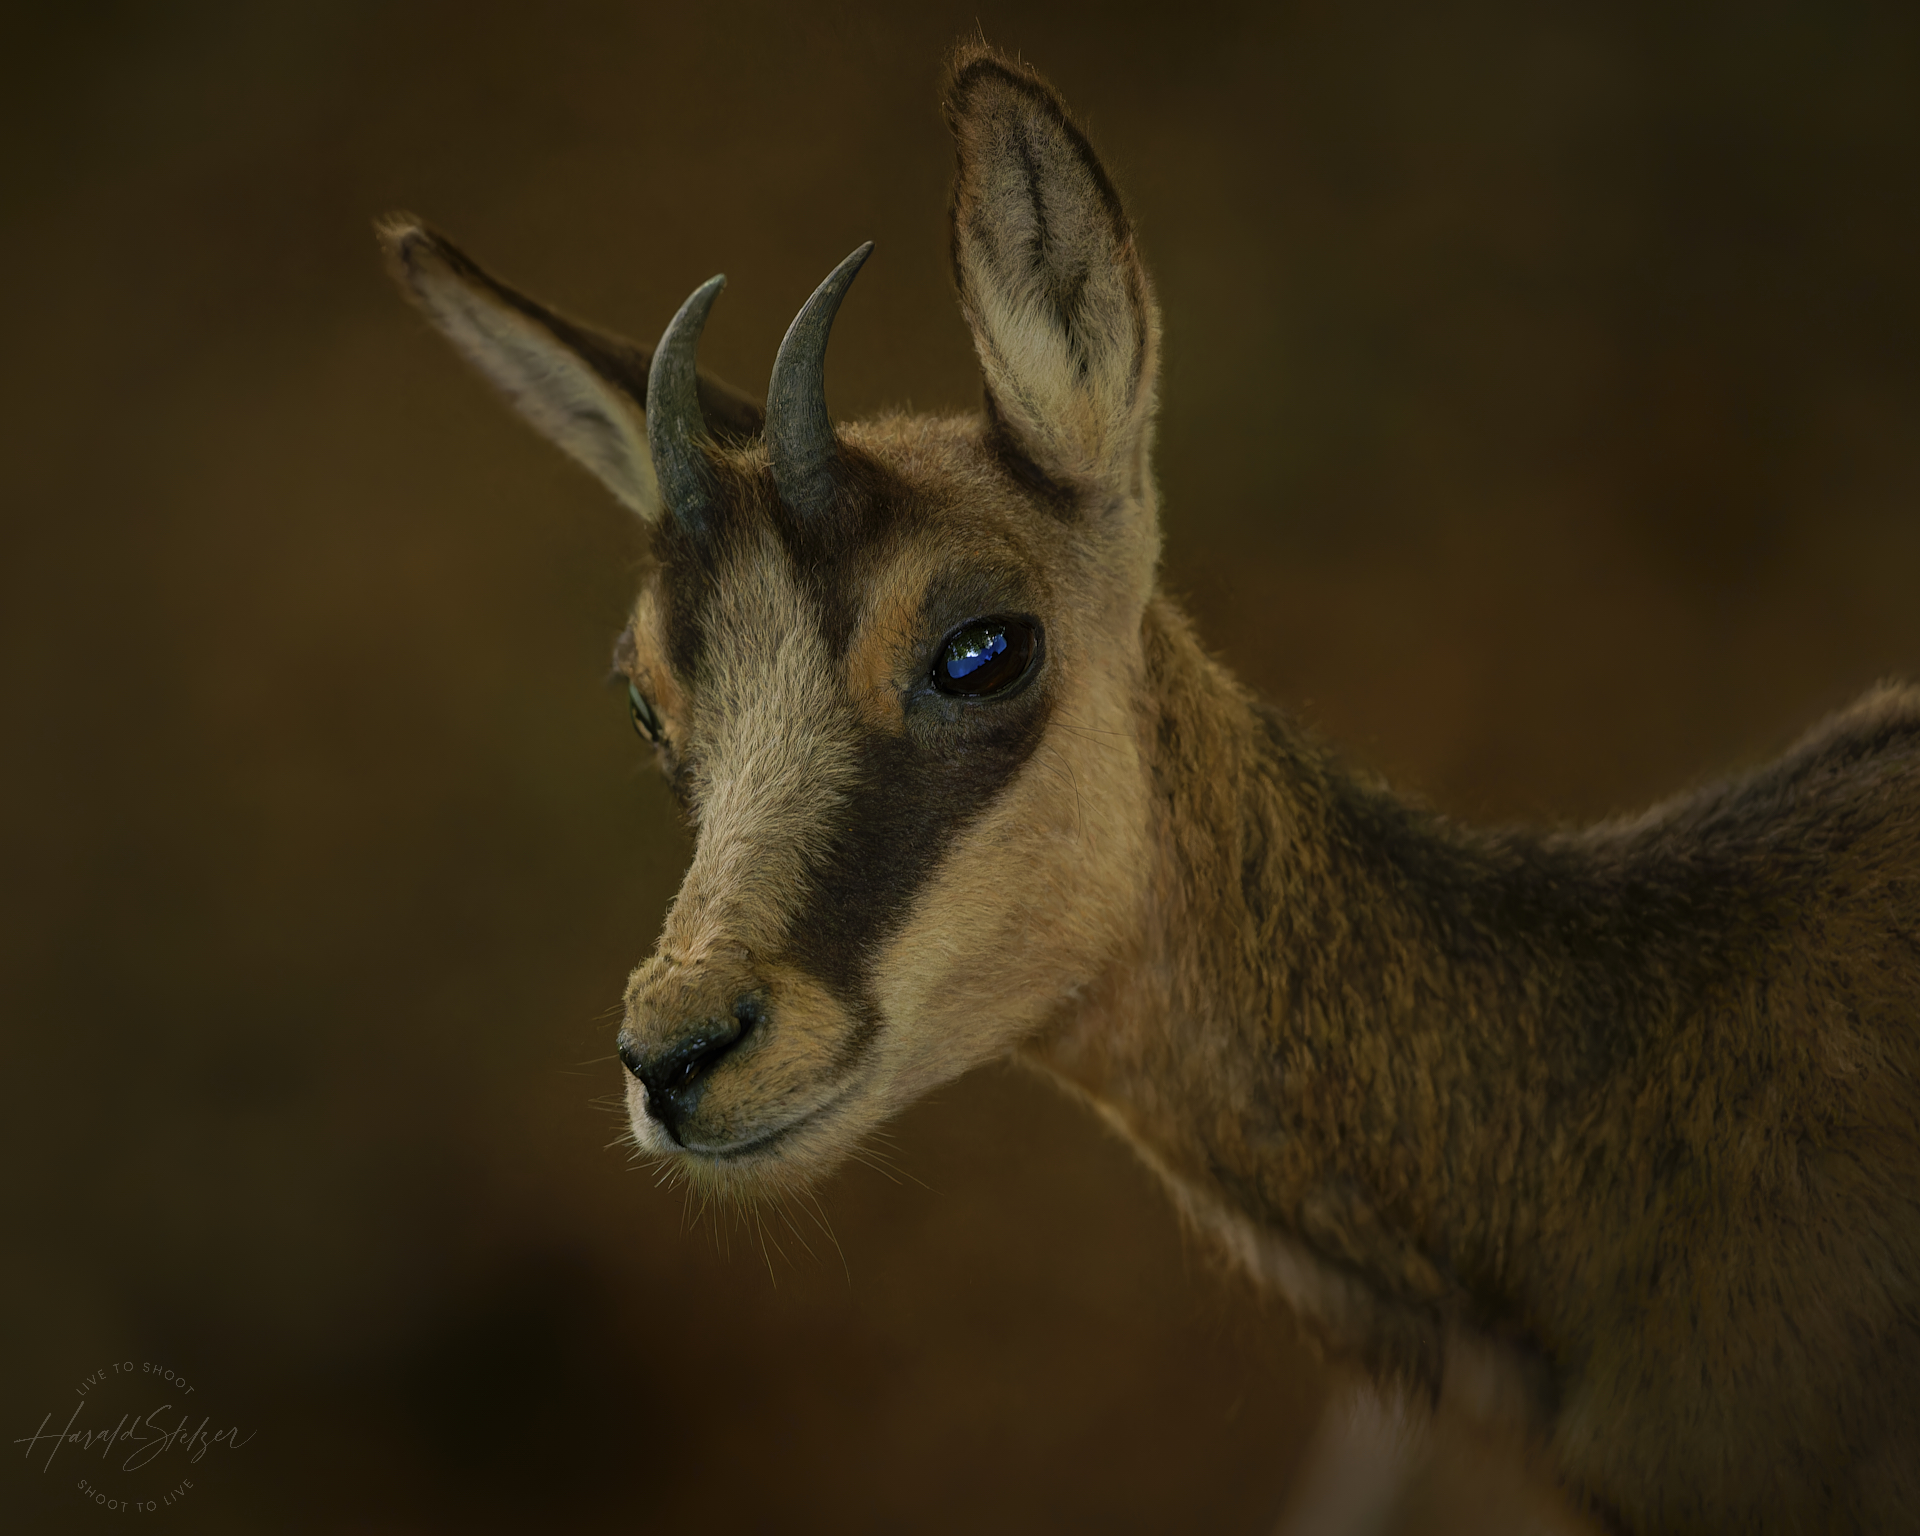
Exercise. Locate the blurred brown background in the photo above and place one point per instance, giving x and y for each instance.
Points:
(1542, 418)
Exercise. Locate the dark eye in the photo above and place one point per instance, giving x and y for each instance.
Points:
(983, 657)
(646, 720)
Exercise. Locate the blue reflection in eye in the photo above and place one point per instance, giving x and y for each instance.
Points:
(985, 657)
(974, 648)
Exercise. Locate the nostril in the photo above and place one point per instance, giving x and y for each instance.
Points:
(629, 1053)
(673, 1073)
(693, 1060)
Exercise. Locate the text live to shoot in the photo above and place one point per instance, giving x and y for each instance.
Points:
(142, 1458)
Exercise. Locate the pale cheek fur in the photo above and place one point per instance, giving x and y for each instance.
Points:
(1034, 899)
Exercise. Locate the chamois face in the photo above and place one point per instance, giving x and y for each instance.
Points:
(889, 668)
(893, 879)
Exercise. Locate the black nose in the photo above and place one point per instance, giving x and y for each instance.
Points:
(676, 1071)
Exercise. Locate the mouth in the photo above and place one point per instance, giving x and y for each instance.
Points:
(755, 1146)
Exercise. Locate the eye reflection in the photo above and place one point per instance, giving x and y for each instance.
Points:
(983, 657)
(972, 649)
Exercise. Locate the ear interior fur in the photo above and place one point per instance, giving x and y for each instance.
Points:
(582, 389)
(1062, 313)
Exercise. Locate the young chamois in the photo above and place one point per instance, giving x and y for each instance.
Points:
(1615, 1131)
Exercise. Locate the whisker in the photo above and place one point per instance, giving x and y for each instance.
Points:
(1079, 815)
(812, 1205)
(798, 1236)
(1092, 730)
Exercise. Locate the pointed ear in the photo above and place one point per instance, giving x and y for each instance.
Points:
(582, 389)
(1062, 313)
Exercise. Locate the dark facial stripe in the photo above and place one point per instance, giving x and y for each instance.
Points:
(915, 794)
(914, 791)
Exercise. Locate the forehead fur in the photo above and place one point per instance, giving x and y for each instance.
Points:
(927, 515)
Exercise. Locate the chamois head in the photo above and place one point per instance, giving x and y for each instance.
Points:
(890, 668)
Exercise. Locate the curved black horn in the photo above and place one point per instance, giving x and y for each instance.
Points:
(675, 427)
(799, 430)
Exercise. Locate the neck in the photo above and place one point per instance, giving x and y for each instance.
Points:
(1340, 1036)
